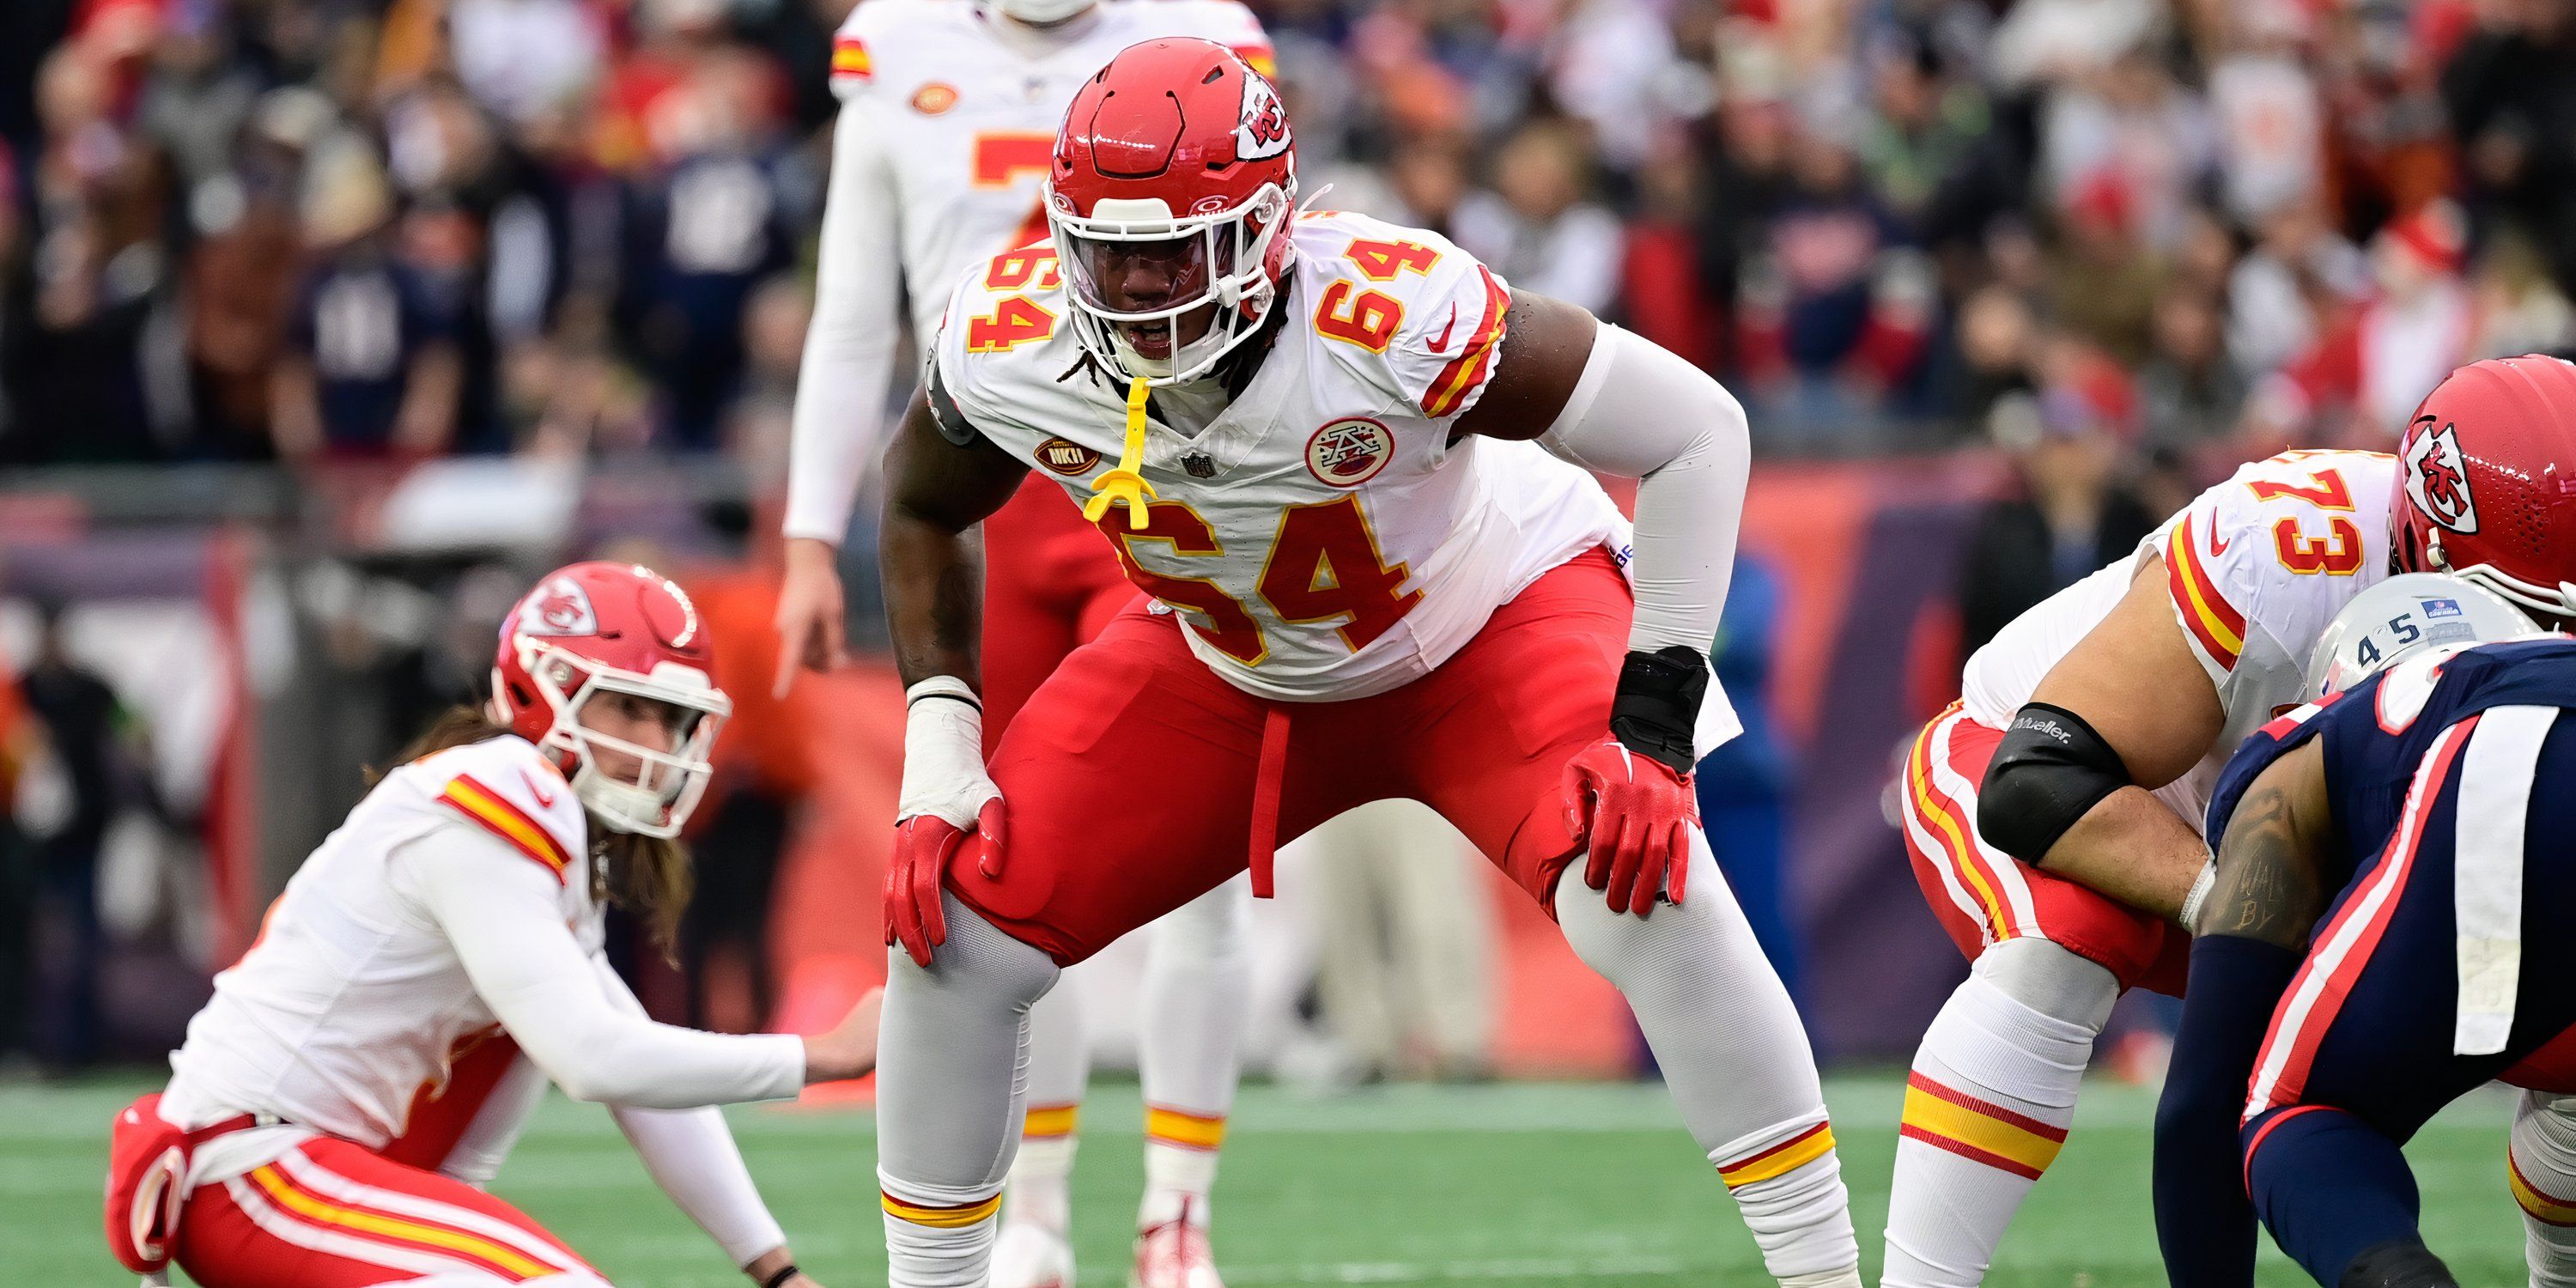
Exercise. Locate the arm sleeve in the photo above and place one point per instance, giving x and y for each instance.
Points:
(502, 915)
(1640, 412)
(691, 1154)
(839, 424)
(2203, 1222)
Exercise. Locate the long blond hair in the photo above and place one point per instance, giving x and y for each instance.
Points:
(648, 876)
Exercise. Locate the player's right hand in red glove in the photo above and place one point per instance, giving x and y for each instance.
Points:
(947, 798)
(1629, 799)
(1636, 814)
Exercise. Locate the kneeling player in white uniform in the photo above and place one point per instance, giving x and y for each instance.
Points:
(366, 1066)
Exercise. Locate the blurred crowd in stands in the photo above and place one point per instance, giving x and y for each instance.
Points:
(319, 230)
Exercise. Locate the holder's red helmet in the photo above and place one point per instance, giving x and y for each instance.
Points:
(2486, 482)
(608, 628)
(1173, 187)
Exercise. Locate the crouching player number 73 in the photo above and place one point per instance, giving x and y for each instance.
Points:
(1291, 430)
(364, 1069)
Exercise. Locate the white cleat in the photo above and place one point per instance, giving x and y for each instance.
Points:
(1032, 1256)
(1174, 1255)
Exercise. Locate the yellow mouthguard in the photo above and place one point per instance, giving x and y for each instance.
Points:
(1127, 482)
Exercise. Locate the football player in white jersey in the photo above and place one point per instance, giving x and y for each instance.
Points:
(2053, 814)
(949, 112)
(363, 1070)
(1294, 431)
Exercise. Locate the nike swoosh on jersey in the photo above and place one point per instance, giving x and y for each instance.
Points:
(1442, 344)
(545, 798)
(2216, 546)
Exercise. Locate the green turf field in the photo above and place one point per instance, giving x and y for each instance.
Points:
(1510, 1185)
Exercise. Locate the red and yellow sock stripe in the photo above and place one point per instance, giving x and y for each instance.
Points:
(2542, 1207)
(1051, 1122)
(494, 813)
(1182, 1129)
(397, 1231)
(940, 1218)
(1781, 1159)
(1953, 1120)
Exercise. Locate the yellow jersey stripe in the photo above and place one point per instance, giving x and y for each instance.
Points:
(274, 1183)
(1174, 1127)
(2206, 606)
(497, 816)
(941, 1218)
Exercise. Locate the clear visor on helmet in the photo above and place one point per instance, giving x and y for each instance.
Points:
(1163, 298)
(1144, 280)
(642, 744)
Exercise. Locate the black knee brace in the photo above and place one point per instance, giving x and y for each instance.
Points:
(2050, 769)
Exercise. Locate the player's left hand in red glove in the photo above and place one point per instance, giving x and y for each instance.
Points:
(1629, 799)
(947, 797)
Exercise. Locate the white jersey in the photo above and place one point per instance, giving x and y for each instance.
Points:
(967, 112)
(948, 118)
(1323, 538)
(353, 1003)
(2254, 568)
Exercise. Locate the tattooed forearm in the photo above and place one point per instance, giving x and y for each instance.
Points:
(2268, 886)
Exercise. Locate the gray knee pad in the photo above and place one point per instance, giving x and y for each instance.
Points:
(954, 1072)
(2051, 980)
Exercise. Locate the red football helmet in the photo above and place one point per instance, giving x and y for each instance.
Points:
(607, 628)
(1173, 186)
(2486, 482)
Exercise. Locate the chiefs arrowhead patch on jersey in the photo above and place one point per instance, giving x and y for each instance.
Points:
(1349, 452)
(560, 607)
(2437, 480)
(1264, 128)
(1066, 457)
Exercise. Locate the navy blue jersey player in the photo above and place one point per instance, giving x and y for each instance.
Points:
(2390, 923)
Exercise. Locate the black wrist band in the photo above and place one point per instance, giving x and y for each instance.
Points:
(967, 698)
(1657, 705)
(783, 1274)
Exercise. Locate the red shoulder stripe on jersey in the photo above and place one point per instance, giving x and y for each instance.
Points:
(850, 58)
(2213, 622)
(495, 814)
(1457, 380)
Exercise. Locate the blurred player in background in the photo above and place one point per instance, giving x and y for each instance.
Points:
(2052, 813)
(2392, 925)
(366, 1066)
(949, 113)
(1294, 430)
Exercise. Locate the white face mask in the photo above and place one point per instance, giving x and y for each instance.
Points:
(1042, 13)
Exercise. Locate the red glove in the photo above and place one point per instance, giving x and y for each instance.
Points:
(1637, 813)
(924, 845)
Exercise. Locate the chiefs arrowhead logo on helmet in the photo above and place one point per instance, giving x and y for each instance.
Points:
(559, 607)
(1264, 130)
(2437, 481)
